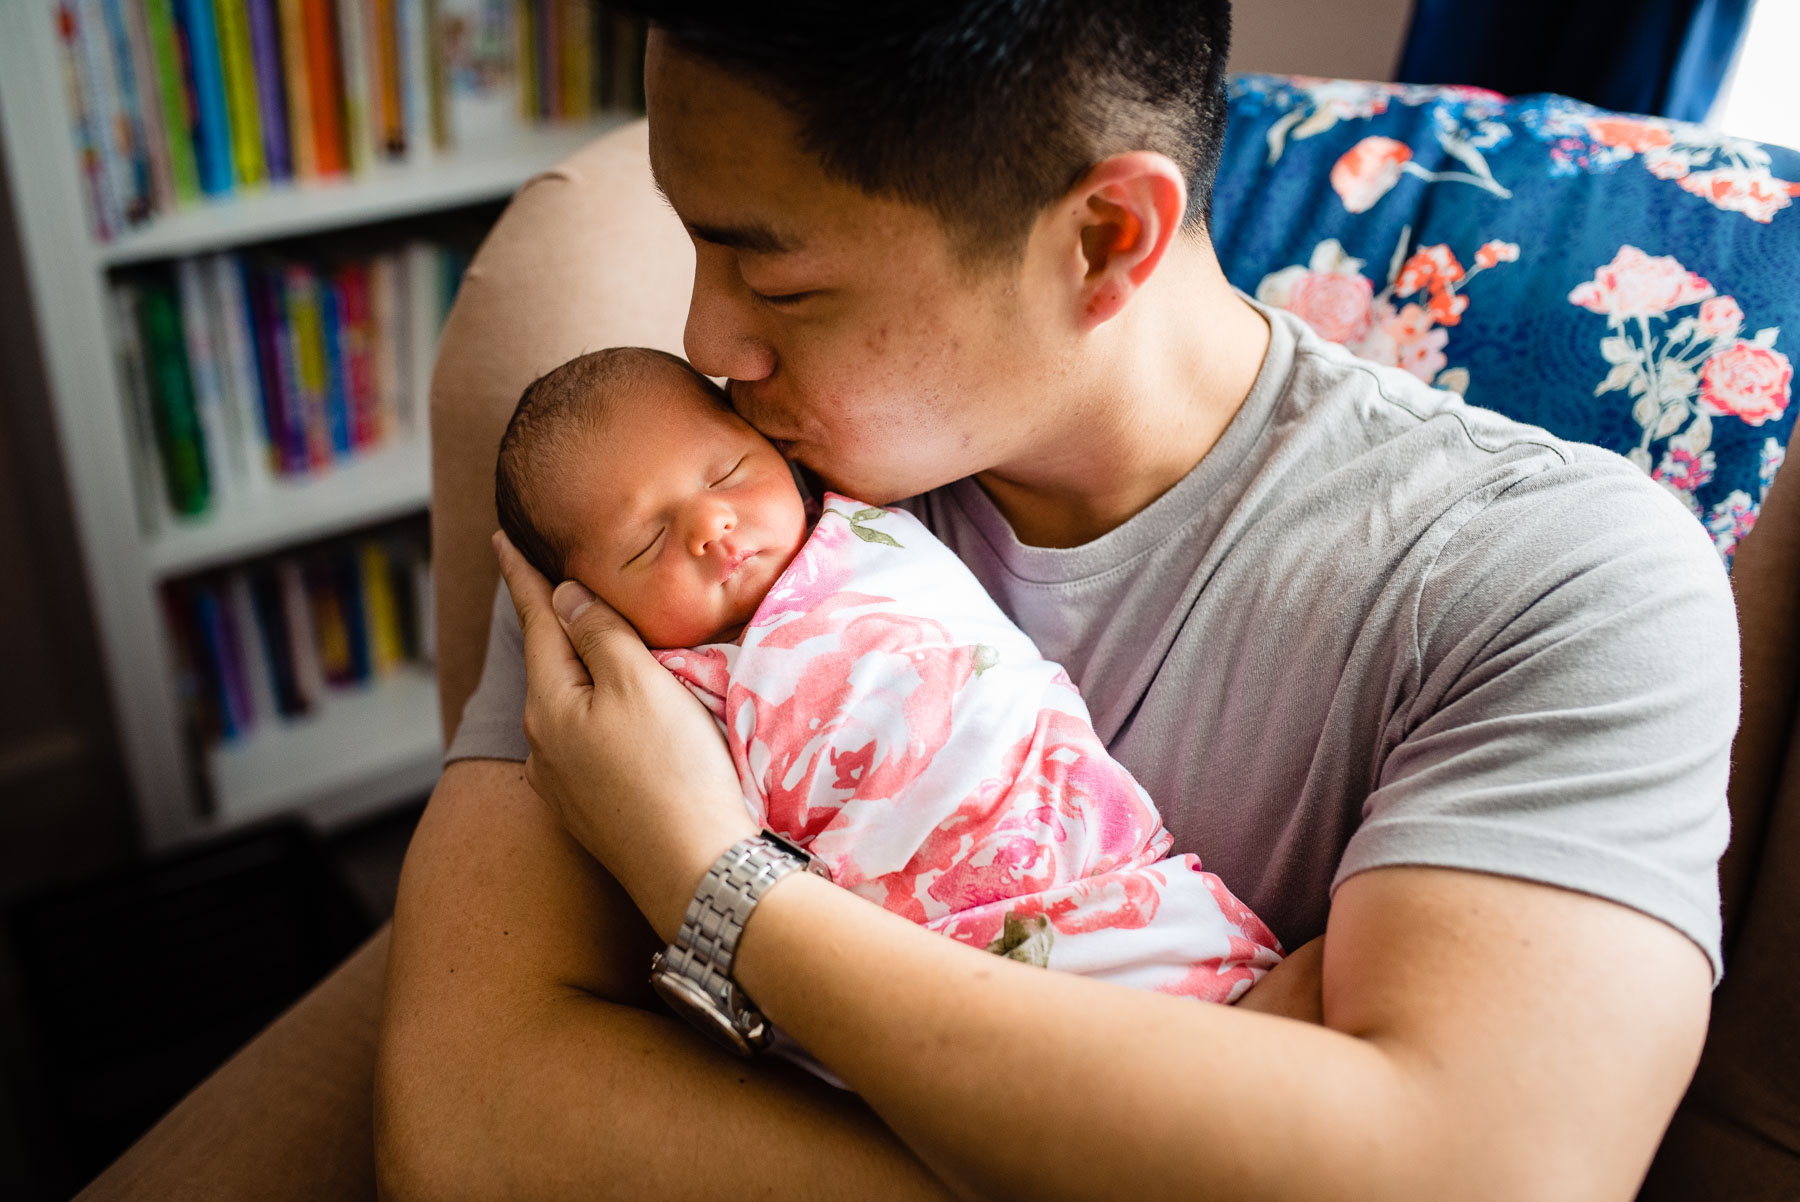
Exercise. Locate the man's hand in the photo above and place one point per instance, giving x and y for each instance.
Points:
(628, 759)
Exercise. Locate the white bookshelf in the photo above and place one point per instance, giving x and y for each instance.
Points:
(362, 748)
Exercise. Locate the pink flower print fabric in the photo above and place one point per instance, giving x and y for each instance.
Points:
(884, 713)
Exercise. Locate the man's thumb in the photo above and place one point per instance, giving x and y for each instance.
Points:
(570, 600)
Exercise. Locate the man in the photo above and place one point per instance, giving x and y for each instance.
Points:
(1454, 694)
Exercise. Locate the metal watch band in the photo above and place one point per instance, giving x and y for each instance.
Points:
(706, 946)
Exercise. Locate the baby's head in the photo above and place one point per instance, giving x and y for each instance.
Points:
(627, 470)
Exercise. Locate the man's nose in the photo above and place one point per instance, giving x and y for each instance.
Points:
(708, 522)
(721, 338)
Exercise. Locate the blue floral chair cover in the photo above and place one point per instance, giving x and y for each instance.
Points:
(1618, 280)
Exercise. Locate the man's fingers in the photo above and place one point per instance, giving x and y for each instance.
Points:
(600, 636)
(550, 662)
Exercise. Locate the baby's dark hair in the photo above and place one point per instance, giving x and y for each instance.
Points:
(554, 411)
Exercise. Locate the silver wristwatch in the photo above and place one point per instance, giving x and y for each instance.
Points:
(693, 974)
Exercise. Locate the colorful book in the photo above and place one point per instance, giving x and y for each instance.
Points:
(163, 197)
(203, 371)
(385, 29)
(237, 60)
(478, 58)
(357, 73)
(298, 77)
(212, 126)
(141, 201)
(414, 35)
(252, 653)
(421, 301)
(177, 107)
(330, 620)
(300, 288)
(222, 674)
(172, 396)
(271, 96)
(346, 575)
(238, 375)
(324, 87)
(337, 395)
(387, 343)
(277, 642)
(381, 609)
(303, 637)
(351, 281)
(525, 38)
(102, 218)
(104, 113)
(151, 490)
(274, 368)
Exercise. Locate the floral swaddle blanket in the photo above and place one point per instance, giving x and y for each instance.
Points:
(885, 714)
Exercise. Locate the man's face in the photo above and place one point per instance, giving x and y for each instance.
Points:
(847, 329)
(681, 517)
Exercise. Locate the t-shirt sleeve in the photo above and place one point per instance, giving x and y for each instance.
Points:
(1573, 698)
(493, 720)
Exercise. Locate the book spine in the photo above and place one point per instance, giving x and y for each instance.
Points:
(437, 81)
(177, 106)
(149, 107)
(271, 97)
(323, 87)
(303, 318)
(212, 126)
(525, 27)
(277, 642)
(353, 285)
(221, 657)
(387, 343)
(330, 622)
(348, 578)
(381, 613)
(415, 74)
(131, 118)
(238, 370)
(203, 370)
(425, 603)
(359, 121)
(383, 23)
(81, 118)
(238, 67)
(303, 636)
(151, 490)
(423, 313)
(549, 61)
(337, 396)
(263, 291)
(171, 391)
(252, 655)
(103, 117)
(298, 75)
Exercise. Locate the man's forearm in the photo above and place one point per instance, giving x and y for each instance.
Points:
(503, 1073)
(1454, 1071)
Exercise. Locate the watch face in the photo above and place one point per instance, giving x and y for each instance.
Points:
(696, 1006)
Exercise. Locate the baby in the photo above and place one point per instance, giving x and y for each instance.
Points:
(880, 709)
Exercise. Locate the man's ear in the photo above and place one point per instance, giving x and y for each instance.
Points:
(1125, 211)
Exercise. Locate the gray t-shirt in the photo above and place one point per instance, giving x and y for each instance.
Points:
(1377, 626)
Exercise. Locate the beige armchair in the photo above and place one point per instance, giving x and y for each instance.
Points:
(587, 256)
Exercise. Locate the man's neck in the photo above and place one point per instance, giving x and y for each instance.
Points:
(1171, 372)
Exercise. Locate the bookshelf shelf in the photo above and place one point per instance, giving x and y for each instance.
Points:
(372, 487)
(378, 738)
(466, 176)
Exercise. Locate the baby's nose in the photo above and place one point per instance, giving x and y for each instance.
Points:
(710, 524)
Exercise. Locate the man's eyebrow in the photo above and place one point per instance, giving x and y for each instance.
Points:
(754, 236)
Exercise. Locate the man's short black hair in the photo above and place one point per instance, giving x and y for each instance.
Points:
(982, 111)
(554, 413)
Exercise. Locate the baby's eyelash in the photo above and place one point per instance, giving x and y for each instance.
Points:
(646, 549)
(780, 300)
(728, 475)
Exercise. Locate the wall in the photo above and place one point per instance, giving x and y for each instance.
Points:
(1350, 39)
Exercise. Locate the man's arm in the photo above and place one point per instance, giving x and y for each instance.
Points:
(1485, 1038)
(514, 1059)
